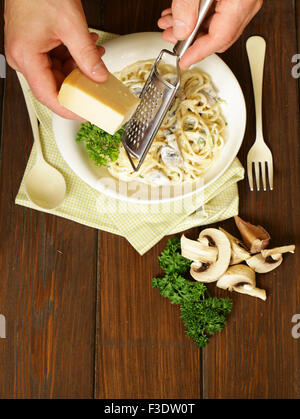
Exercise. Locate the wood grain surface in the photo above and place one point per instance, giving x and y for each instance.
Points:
(82, 318)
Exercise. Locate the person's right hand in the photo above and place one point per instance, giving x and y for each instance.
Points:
(45, 40)
(222, 27)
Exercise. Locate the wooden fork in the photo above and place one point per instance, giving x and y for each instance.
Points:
(259, 155)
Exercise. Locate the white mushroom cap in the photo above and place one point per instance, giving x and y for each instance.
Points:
(241, 278)
(211, 272)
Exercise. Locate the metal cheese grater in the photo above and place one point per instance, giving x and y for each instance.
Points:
(156, 99)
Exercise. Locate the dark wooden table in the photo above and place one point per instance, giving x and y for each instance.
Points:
(82, 320)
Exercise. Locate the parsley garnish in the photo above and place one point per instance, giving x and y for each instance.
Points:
(202, 314)
(171, 260)
(102, 147)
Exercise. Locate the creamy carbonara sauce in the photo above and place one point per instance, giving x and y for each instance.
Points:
(191, 136)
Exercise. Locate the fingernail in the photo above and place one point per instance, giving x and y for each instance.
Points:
(99, 70)
(179, 29)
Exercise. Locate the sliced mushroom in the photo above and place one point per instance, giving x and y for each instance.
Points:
(255, 238)
(241, 278)
(269, 259)
(254, 292)
(262, 265)
(238, 251)
(171, 157)
(237, 276)
(171, 140)
(210, 272)
(198, 251)
(210, 93)
(278, 250)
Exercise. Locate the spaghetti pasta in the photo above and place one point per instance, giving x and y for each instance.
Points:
(191, 136)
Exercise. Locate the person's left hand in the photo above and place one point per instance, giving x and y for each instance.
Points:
(46, 42)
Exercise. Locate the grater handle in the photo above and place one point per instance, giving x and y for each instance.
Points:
(181, 46)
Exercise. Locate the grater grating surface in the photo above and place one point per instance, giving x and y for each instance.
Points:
(156, 98)
(145, 113)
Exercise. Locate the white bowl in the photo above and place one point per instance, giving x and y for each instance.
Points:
(126, 50)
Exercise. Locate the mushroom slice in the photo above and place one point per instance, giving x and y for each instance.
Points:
(269, 259)
(198, 251)
(254, 292)
(238, 251)
(171, 157)
(262, 265)
(241, 278)
(278, 250)
(210, 272)
(255, 238)
(237, 276)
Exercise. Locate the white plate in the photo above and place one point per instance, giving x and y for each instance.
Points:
(126, 50)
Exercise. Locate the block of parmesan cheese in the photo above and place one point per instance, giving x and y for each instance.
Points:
(108, 105)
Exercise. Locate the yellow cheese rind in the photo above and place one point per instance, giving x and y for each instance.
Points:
(108, 105)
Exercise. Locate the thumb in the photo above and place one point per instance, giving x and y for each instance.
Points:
(185, 14)
(85, 52)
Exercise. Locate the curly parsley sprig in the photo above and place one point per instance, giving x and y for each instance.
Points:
(102, 147)
(202, 314)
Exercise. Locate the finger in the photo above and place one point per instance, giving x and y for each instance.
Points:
(204, 46)
(94, 36)
(168, 36)
(225, 28)
(83, 50)
(69, 65)
(43, 84)
(62, 53)
(165, 22)
(166, 12)
(185, 14)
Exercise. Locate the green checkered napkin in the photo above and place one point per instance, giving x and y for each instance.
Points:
(141, 224)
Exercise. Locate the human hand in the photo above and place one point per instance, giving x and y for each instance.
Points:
(222, 27)
(46, 41)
